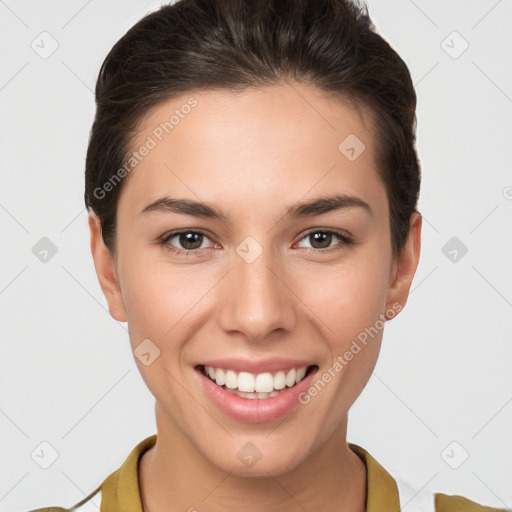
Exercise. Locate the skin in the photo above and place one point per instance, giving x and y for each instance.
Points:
(253, 154)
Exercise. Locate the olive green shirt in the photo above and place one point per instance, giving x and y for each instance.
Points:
(119, 492)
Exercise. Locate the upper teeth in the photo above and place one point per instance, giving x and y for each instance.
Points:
(261, 383)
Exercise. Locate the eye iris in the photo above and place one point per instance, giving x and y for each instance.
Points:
(187, 239)
(191, 240)
(322, 237)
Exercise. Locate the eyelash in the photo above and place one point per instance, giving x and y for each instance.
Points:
(164, 242)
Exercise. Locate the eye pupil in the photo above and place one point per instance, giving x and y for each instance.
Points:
(321, 237)
(188, 238)
(191, 241)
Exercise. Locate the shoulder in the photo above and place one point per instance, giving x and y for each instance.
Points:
(455, 503)
(401, 493)
(416, 499)
(84, 505)
(120, 486)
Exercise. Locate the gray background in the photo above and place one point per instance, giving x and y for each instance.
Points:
(442, 388)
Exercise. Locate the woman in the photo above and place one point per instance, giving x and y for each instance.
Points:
(252, 186)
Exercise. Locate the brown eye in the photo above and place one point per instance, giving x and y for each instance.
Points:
(183, 242)
(190, 240)
(322, 240)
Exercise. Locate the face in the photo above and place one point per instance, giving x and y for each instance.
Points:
(221, 265)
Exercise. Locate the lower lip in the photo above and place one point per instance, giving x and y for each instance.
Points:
(258, 410)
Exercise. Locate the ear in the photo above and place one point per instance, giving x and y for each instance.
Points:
(405, 264)
(106, 270)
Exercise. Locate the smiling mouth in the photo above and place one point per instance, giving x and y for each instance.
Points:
(256, 386)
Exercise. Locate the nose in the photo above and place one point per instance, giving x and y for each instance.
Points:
(257, 298)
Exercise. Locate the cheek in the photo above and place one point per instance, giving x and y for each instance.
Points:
(347, 298)
(161, 299)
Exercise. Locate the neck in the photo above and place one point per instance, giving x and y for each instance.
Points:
(175, 476)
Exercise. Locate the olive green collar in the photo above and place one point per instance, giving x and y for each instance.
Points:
(381, 490)
(120, 490)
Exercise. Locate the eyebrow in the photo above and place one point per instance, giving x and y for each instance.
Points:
(311, 208)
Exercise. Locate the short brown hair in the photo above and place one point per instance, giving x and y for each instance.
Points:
(235, 44)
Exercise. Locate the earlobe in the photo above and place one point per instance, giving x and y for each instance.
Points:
(405, 264)
(106, 270)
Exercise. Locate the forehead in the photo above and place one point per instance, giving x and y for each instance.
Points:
(266, 110)
(262, 143)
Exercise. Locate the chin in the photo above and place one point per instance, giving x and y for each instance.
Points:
(267, 465)
(258, 458)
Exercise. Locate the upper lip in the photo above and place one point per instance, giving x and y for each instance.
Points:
(257, 366)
